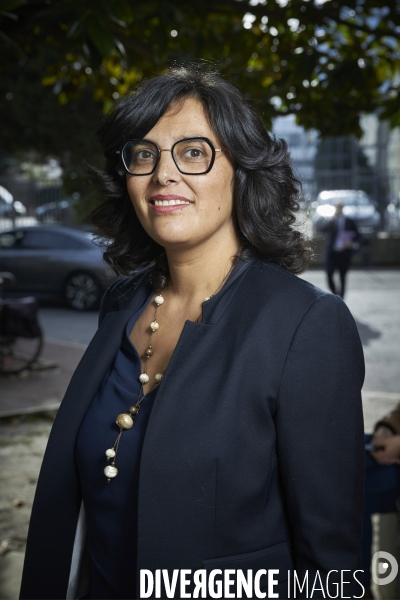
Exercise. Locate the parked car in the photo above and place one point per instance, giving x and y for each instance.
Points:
(52, 262)
(9, 207)
(356, 204)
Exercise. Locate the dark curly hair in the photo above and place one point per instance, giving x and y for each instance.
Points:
(265, 189)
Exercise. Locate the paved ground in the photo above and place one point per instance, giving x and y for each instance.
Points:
(22, 444)
(41, 388)
(67, 325)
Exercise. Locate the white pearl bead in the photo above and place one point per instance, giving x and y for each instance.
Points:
(110, 471)
(159, 300)
(158, 377)
(205, 299)
(144, 378)
(154, 326)
(110, 453)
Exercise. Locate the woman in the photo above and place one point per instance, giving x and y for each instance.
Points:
(242, 381)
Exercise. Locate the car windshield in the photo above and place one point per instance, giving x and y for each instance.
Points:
(350, 200)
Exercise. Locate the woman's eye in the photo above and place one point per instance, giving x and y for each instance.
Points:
(144, 155)
(193, 153)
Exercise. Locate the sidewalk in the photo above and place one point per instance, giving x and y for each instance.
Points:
(43, 389)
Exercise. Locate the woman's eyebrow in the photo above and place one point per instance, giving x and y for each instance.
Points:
(179, 138)
(189, 135)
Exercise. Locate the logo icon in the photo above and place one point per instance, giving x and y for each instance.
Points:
(381, 561)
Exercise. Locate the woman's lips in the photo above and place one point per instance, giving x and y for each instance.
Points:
(168, 203)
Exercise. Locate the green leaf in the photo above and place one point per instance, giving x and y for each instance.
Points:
(100, 36)
(122, 10)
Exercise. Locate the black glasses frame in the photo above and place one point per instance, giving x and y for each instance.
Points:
(209, 142)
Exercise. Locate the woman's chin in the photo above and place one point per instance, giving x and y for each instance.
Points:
(173, 237)
(176, 243)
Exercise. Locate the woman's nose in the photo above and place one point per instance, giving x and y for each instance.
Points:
(166, 171)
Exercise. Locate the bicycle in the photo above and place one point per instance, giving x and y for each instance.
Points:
(21, 338)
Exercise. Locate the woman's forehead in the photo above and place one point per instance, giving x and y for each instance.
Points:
(184, 118)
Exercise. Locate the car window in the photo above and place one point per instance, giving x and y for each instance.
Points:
(71, 244)
(49, 240)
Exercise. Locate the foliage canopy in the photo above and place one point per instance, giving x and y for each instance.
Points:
(63, 63)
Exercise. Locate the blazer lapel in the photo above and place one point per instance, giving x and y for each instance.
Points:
(94, 364)
(98, 358)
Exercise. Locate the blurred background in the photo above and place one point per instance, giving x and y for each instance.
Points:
(324, 74)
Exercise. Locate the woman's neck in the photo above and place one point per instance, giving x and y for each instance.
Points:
(200, 272)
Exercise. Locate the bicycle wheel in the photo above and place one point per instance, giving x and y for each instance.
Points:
(18, 353)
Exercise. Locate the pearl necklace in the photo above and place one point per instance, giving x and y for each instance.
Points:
(127, 420)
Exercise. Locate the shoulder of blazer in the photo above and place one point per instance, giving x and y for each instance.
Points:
(295, 303)
(276, 280)
(122, 288)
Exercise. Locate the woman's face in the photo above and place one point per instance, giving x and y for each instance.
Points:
(205, 202)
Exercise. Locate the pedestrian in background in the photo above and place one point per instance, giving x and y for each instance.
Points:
(342, 242)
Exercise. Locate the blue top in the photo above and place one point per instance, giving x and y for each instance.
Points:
(111, 508)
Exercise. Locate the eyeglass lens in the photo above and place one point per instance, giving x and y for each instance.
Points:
(191, 156)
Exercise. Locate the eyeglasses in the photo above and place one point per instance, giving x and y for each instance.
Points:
(192, 156)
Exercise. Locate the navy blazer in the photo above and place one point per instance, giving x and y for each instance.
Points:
(254, 454)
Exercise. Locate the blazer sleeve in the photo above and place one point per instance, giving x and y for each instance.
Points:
(116, 289)
(320, 443)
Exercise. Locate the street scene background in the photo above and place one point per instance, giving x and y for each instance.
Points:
(325, 76)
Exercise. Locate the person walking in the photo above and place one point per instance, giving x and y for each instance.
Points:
(342, 241)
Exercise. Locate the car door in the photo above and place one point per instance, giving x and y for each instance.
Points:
(9, 244)
(36, 258)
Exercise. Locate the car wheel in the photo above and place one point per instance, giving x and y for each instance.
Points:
(82, 291)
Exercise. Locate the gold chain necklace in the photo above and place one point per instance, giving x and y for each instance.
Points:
(127, 420)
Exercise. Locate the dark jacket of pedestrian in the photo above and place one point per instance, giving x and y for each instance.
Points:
(332, 229)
